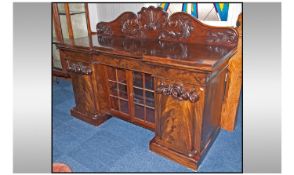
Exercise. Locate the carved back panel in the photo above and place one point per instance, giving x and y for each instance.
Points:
(154, 23)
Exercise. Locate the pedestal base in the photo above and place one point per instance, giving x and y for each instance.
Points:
(90, 118)
(190, 162)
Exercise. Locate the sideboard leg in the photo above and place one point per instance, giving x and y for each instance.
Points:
(90, 94)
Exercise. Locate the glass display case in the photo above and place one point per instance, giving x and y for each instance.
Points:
(69, 22)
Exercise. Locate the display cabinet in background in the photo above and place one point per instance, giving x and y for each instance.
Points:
(69, 22)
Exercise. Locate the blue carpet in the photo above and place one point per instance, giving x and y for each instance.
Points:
(118, 146)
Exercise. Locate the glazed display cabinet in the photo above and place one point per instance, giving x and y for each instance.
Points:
(69, 22)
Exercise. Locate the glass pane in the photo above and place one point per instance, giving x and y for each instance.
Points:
(63, 22)
(79, 25)
(123, 91)
(149, 98)
(139, 111)
(64, 27)
(61, 7)
(138, 96)
(114, 103)
(150, 115)
(124, 106)
(149, 82)
(121, 75)
(56, 57)
(138, 79)
(77, 7)
(111, 73)
(113, 88)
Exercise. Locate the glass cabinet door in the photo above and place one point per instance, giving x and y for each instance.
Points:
(72, 25)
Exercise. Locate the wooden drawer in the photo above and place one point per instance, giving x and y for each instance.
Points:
(77, 56)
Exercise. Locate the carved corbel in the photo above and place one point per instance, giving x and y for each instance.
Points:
(79, 68)
(178, 92)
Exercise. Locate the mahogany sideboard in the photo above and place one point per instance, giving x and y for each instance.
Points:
(165, 73)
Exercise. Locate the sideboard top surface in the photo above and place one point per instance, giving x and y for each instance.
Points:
(153, 36)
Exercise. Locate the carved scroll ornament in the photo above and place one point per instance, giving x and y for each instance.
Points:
(222, 37)
(177, 91)
(103, 28)
(177, 28)
(79, 68)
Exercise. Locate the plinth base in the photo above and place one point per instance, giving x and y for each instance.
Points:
(90, 118)
(190, 162)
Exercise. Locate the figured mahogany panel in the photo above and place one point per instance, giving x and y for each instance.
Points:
(84, 95)
(234, 85)
(178, 119)
(154, 24)
(88, 86)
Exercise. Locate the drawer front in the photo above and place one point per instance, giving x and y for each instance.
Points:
(136, 64)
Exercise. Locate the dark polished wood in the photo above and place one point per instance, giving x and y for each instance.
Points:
(167, 74)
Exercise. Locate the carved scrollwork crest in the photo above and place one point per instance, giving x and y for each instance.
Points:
(155, 24)
(78, 68)
(177, 91)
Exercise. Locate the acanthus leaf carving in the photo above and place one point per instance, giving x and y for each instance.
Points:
(222, 37)
(104, 29)
(131, 27)
(177, 91)
(176, 29)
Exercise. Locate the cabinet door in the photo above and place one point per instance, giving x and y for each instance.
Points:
(131, 95)
(178, 116)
